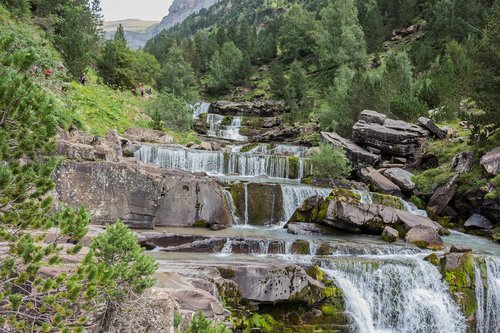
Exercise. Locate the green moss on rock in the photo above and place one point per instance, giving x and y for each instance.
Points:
(300, 247)
(387, 200)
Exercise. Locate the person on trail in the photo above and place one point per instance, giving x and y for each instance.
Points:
(142, 91)
(95, 140)
(150, 91)
(36, 70)
(83, 79)
(48, 73)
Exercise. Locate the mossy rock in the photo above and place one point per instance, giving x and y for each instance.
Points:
(201, 224)
(387, 200)
(226, 272)
(247, 148)
(325, 249)
(300, 247)
(345, 195)
(316, 273)
(294, 166)
(433, 259)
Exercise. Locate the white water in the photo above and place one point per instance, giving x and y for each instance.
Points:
(200, 108)
(277, 149)
(227, 132)
(366, 198)
(216, 162)
(488, 313)
(294, 196)
(232, 207)
(404, 295)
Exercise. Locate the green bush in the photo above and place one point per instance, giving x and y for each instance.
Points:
(200, 324)
(428, 181)
(330, 162)
(170, 112)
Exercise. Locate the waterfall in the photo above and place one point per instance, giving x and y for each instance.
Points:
(294, 196)
(200, 108)
(216, 162)
(245, 186)
(411, 208)
(232, 207)
(403, 295)
(488, 308)
(279, 149)
(228, 132)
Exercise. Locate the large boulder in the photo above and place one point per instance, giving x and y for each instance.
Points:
(424, 237)
(463, 162)
(141, 196)
(432, 127)
(266, 108)
(148, 135)
(78, 145)
(491, 161)
(355, 153)
(294, 133)
(378, 182)
(301, 228)
(391, 137)
(390, 234)
(442, 196)
(477, 221)
(401, 178)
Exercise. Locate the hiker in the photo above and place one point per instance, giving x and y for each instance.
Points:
(150, 91)
(95, 140)
(48, 73)
(83, 79)
(36, 70)
(142, 91)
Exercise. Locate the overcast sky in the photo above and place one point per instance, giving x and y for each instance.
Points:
(114, 10)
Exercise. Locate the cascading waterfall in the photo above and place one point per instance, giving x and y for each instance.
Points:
(200, 108)
(404, 294)
(294, 196)
(245, 186)
(216, 162)
(228, 132)
(278, 149)
(366, 198)
(488, 310)
(232, 207)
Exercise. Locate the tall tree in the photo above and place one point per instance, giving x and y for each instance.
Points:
(119, 38)
(296, 35)
(224, 67)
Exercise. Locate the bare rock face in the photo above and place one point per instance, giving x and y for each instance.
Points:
(141, 196)
(391, 137)
(462, 162)
(356, 154)
(477, 221)
(425, 237)
(265, 108)
(432, 127)
(401, 178)
(442, 196)
(491, 161)
(148, 135)
(379, 182)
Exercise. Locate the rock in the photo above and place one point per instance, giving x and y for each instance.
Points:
(477, 221)
(142, 196)
(401, 178)
(426, 238)
(217, 227)
(148, 135)
(295, 133)
(206, 146)
(113, 141)
(378, 182)
(75, 151)
(491, 161)
(462, 162)
(356, 154)
(432, 127)
(301, 246)
(392, 137)
(390, 234)
(129, 148)
(301, 228)
(442, 196)
(266, 108)
(459, 249)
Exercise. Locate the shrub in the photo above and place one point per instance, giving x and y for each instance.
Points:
(200, 324)
(170, 112)
(330, 162)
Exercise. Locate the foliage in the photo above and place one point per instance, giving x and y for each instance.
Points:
(200, 324)
(330, 162)
(225, 68)
(295, 92)
(296, 39)
(278, 80)
(171, 112)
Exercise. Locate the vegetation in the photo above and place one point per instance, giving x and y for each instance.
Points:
(171, 112)
(330, 162)
(200, 324)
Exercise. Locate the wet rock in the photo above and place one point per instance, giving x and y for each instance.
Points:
(392, 137)
(142, 196)
(491, 161)
(300, 246)
(424, 237)
(148, 135)
(390, 235)
(356, 154)
(432, 127)
(456, 248)
(477, 221)
(378, 182)
(462, 163)
(218, 227)
(129, 148)
(299, 228)
(442, 196)
(401, 178)
(265, 108)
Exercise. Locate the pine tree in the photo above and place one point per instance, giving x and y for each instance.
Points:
(295, 92)
(224, 67)
(278, 80)
(119, 38)
(296, 35)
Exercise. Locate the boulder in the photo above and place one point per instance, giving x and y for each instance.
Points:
(206, 145)
(390, 234)
(462, 162)
(266, 108)
(426, 238)
(148, 135)
(143, 196)
(392, 137)
(442, 196)
(401, 178)
(477, 221)
(432, 127)
(378, 182)
(491, 161)
(301, 228)
(75, 151)
(356, 154)
(293, 133)
(457, 248)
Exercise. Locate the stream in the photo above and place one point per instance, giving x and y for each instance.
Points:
(387, 288)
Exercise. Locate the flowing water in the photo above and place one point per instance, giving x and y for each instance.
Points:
(488, 313)
(200, 108)
(221, 131)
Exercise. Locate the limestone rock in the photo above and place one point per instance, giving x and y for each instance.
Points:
(432, 127)
(148, 135)
(425, 237)
(491, 161)
(75, 151)
(142, 196)
(479, 222)
(378, 182)
(462, 162)
(401, 178)
(301, 228)
(356, 154)
(457, 248)
(390, 234)
(442, 196)
(392, 137)
(266, 108)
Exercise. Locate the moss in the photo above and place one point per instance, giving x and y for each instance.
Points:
(345, 195)
(316, 273)
(226, 272)
(229, 293)
(328, 310)
(417, 202)
(201, 224)
(300, 247)
(226, 121)
(428, 181)
(433, 259)
(294, 167)
(473, 178)
(387, 200)
(252, 122)
(324, 249)
(247, 148)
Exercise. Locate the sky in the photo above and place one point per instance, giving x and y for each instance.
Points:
(114, 10)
